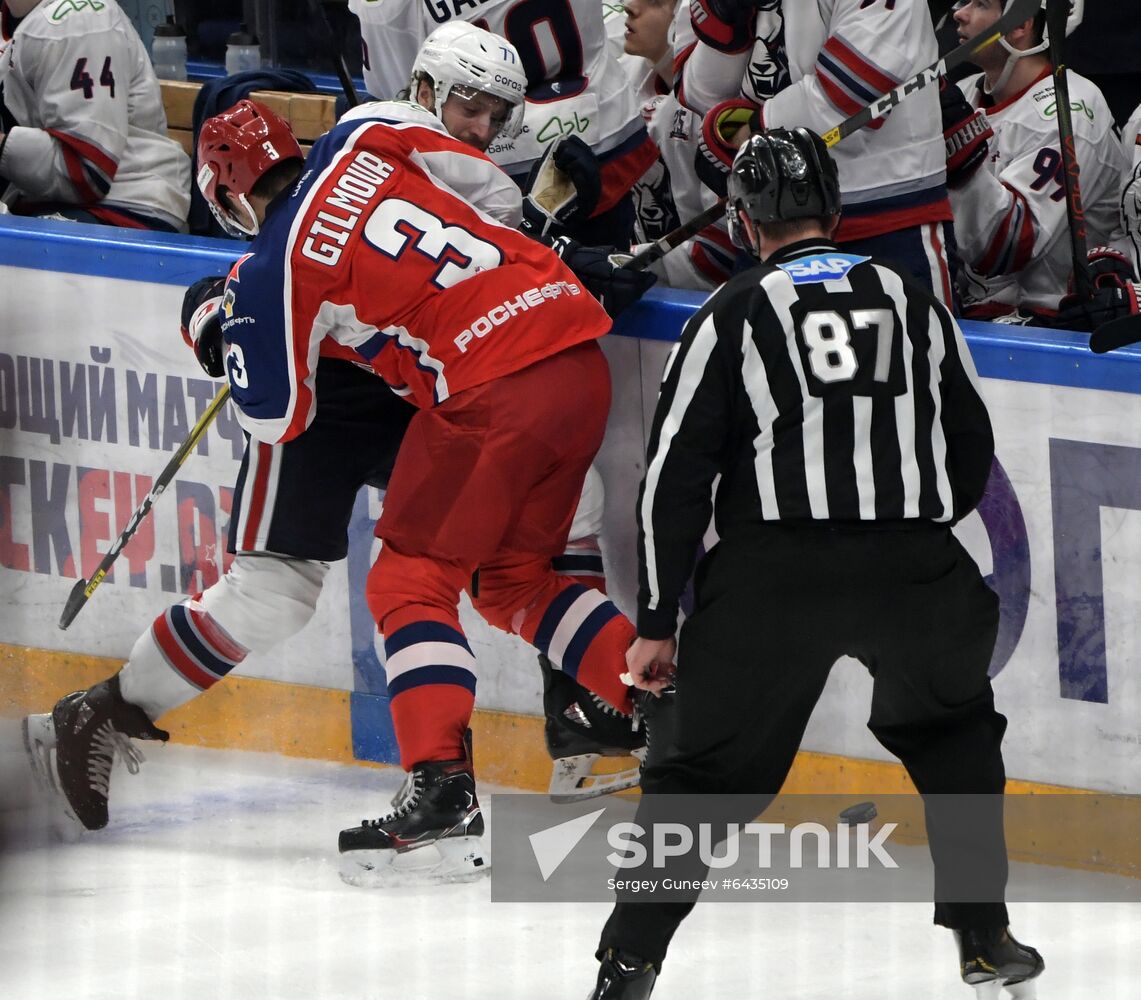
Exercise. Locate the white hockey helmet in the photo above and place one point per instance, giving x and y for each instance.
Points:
(459, 54)
(1077, 9)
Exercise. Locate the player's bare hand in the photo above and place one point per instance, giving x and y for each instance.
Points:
(650, 664)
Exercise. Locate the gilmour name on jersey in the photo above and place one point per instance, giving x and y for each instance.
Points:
(353, 190)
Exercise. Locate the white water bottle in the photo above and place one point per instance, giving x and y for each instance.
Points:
(168, 51)
(242, 52)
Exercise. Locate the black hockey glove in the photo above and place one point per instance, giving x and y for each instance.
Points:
(965, 134)
(604, 274)
(724, 25)
(562, 190)
(202, 324)
(1116, 293)
(717, 147)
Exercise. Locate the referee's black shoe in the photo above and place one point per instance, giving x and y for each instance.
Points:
(622, 976)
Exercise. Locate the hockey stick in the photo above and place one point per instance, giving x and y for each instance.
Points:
(1126, 329)
(1057, 11)
(1019, 11)
(83, 589)
(335, 56)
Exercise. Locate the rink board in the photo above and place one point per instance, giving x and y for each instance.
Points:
(97, 389)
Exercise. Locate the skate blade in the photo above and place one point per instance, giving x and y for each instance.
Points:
(455, 859)
(39, 745)
(574, 780)
(1026, 990)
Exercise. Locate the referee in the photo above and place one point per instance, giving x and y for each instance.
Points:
(838, 404)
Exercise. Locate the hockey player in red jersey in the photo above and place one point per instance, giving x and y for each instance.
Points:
(271, 591)
(492, 338)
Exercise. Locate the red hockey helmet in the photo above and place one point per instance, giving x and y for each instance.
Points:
(235, 149)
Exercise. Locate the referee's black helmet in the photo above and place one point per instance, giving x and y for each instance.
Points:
(779, 175)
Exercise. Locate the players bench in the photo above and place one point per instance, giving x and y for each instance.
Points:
(310, 115)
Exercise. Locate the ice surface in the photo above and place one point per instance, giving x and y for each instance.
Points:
(216, 879)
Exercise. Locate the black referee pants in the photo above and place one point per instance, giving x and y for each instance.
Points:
(776, 606)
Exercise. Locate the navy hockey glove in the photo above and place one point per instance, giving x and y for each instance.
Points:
(965, 134)
(1116, 293)
(717, 147)
(604, 274)
(724, 25)
(202, 324)
(562, 190)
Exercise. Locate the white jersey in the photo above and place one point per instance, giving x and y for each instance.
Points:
(575, 85)
(1131, 187)
(815, 64)
(90, 125)
(1010, 217)
(670, 194)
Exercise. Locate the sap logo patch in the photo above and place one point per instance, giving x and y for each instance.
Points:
(821, 267)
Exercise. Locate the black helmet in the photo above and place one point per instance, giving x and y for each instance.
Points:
(781, 174)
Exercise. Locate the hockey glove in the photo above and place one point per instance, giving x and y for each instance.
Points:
(724, 25)
(717, 147)
(202, 324)
(563, 189)
(965, 134)
(604, 274)
(1116, 293)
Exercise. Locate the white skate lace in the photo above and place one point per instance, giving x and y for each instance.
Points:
(605, 706)
(405, 801)
(106, 743)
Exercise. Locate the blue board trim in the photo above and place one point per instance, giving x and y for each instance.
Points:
(1018, 354)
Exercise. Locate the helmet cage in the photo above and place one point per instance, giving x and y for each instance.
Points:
(235, 150)
(460, 54)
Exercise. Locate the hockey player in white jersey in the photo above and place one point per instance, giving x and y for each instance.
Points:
(84, 129)
(813, 65)
(271, 590)
(575, 88)
(1007, 175)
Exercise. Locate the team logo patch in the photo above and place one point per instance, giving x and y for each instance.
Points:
(821, 267)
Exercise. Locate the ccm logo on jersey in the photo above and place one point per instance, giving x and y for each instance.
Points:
(500, 314)
(352, 191)
(821, 267)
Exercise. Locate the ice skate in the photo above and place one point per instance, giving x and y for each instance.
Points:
(580, 729)
(73, 749)
(623, 977)
(432, 833)
(992, 961)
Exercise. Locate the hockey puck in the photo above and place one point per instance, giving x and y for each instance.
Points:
(861, 812)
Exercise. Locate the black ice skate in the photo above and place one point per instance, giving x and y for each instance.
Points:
(992, 960)
(432, 834)
(73, 749)
(580, 728)
(623, 977)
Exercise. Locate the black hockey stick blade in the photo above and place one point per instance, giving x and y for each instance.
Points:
(1116, 333)
(75, 601)
(1019, 11)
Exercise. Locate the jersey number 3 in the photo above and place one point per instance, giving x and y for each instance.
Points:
(398, 227)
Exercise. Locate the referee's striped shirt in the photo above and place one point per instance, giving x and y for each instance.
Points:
(820, 386)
